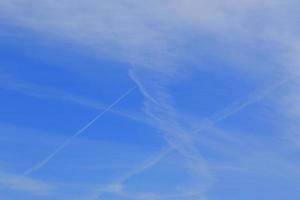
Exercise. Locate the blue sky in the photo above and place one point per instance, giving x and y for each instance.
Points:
(149, 100)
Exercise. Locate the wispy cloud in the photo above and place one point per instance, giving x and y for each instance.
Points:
(179, 133)
(9, 82)
(176, 133)
(21, 183)
(116, 186)
(154, 33)
(181, 138)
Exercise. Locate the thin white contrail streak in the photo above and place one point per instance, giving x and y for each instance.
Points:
(143, 167)
(79, 132)
(237, 106)
(150, 162)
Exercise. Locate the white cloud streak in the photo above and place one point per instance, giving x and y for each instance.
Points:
(78, 133)
(180, 137)
(21, 183)
(154, 33)
(237, 106)
(177, 135)
(116, 186)
(8, 82)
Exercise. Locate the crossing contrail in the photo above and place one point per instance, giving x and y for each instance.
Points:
(43, 162)
(223, 114)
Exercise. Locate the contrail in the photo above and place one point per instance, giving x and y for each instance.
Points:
(237, 106)
(226, 112)
(42, 163)
(150, 162)
(44, 92)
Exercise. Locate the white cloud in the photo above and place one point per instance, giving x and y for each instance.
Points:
(21, 183)
(155, 33)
